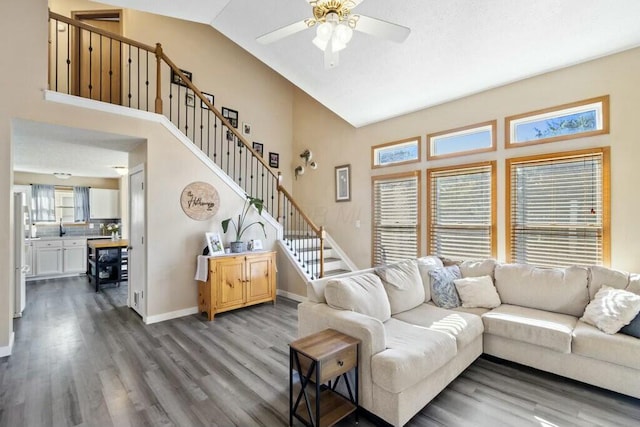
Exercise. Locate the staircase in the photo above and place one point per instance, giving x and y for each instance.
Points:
(141, 83)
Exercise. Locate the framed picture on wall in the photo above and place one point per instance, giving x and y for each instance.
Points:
(274, 160)
(246, 128)
(259, 148)
(209, 97)
(190, 100)
(343, 183)
(231, 115)
(177, 80)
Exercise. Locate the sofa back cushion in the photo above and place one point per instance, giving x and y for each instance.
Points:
(315, 288)
(560, 290)
(478, 268)
(425, 265)
(361, 293)
(599, 276)
(403, 285)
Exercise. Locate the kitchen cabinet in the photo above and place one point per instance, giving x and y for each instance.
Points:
(107, 262)
(237, 280)
(29, 257)
(48, 257)
(104, 203)
(74, 258)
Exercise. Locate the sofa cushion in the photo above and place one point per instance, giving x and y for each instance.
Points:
(425, 265)
(361, 293)
(477, 292)
(464, 327)
(620, 349)
(412, 354)
(634, 284)
(478, 268)
(403, 285)
(315, 288)
(633, 328)
(599, 276)
(611, 309)
(552, 289)
(443, 290)
(538, 327)
(478, 311)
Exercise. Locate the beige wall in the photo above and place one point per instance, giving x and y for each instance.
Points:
(335, 143)
(26, 178)
(262, 97)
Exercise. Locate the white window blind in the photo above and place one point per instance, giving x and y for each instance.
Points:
(461, 217)
(396, 214)
(557, 210)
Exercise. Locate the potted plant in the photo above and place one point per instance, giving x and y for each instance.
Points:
(239, 226)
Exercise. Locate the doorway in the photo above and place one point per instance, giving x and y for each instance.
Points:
(137, 248)
(98, 71)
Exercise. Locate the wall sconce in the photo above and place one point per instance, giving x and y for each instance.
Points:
(307, 155)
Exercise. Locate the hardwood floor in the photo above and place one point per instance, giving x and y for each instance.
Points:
(85, 359)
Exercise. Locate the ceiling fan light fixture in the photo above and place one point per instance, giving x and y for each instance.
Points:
(324, 31)
(320, 44)
(343, 33)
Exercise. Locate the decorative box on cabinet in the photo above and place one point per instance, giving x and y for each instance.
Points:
(237, 280)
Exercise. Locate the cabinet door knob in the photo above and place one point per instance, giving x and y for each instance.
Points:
(340, 363)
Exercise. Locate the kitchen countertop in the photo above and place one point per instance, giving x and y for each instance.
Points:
(65, 238)
(122, 243)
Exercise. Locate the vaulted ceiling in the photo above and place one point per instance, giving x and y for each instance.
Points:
(456, 47)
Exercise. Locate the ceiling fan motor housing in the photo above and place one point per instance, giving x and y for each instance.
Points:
(323, 8)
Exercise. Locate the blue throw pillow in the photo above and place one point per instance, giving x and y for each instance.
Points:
(443, 290)
(632, 328)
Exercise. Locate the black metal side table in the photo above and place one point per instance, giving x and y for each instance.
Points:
(318, 359)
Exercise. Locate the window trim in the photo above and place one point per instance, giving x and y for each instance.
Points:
(494, 199)
(418, 175)
(463, 130)
(418, 141)
(508, 133)
(606, 194)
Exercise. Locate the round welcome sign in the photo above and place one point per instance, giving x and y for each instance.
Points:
(200, 201)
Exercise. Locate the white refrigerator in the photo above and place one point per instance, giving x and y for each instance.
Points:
(21, 218)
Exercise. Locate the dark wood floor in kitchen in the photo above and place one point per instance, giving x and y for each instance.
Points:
(85, 359)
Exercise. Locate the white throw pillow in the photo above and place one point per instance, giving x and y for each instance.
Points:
(477, 292)
(425, 265)
(362, 293)
(403, 285)
(611, 309)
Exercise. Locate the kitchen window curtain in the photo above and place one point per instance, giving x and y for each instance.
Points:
(43, 202)
(81, 198)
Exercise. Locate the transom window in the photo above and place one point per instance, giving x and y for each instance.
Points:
(461, 210)
(471, 139)
(396, 217)
(559, 209)
(396, 153)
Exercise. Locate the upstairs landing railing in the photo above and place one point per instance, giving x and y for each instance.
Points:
(92, 63)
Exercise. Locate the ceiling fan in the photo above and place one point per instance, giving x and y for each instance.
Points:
(334, 24)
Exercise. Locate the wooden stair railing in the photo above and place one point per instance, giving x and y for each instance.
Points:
(89, 62)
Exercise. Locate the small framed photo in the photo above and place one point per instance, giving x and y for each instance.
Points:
(343, 183)
(259, 148)
(229, 136)
(246, 128)
(209, 97)
(274, 160)
(257, 245)
(231, 115)
(214, 243)
(190, 100)
(177, 80)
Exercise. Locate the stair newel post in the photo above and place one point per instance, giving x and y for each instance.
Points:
(279, 213)
(159, 55)
(322, 237)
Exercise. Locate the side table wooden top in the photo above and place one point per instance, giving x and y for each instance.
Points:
(324, 344)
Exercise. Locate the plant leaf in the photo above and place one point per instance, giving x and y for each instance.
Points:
(225, 224)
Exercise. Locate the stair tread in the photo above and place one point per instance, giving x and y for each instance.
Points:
(326, 248)
(335, 272)
(326, 260)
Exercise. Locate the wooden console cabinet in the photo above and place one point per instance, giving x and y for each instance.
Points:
(237, 280)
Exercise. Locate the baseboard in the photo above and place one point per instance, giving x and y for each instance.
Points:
(6, 350)
(148, 320)
(291, 295)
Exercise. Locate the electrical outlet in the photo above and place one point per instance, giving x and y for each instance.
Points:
(91, 225)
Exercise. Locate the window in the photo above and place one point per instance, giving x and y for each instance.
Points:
(568, 121)
(471, 139)
(461, 206)
(65, 204)
(559, 208)
(396, 153)
(396, 217)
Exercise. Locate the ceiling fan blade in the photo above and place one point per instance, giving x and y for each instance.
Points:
(283, 32)
(382, 29)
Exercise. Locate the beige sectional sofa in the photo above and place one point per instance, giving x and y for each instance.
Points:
(411, 349)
